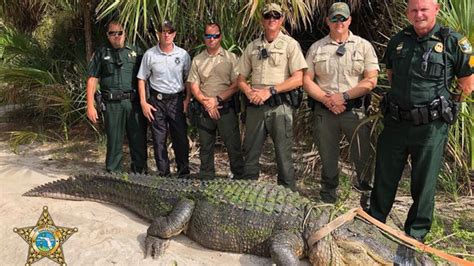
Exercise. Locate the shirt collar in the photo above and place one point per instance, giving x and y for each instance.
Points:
(219, 52)
(328, 40)
(161, 52)
(411, 32)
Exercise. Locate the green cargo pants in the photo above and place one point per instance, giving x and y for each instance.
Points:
(125, 117)
(278, 123)
(327, 136)
(228, 127)
(425, 145)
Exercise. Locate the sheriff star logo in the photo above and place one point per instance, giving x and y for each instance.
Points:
(45, 239)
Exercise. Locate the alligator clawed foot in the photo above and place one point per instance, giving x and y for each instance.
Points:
(155, 246)
(404, 256)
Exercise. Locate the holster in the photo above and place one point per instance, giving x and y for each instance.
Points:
(195, 111)
(99, 102)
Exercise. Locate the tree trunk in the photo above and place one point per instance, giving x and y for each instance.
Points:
(87, 28)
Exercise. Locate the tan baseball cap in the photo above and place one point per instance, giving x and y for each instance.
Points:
(339, 8)
(272, 7)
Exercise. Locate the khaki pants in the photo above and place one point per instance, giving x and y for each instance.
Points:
(277, 122)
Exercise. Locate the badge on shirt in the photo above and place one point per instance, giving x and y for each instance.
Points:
(438, 47)
(279, 44)
(399, 47)
(106, 57)
(177, 60)
(465, 45)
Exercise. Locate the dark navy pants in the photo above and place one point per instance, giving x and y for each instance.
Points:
(170, 118)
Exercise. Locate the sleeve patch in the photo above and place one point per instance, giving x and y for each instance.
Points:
(465, 45)
(471, 61)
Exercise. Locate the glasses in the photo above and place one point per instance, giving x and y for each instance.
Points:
(115, 33)
(167, 31)
(273, 15)
(212, 36)
(338, 19)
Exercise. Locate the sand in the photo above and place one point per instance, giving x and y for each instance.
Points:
(108, 235)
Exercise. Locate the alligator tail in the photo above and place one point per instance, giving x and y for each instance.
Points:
(101, 188)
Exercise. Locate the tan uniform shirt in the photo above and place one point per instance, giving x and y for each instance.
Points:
(285, 57)
(213, 73)
(334, 73)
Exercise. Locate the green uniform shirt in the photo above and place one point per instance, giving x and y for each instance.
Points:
(412, 82)
(116, 68)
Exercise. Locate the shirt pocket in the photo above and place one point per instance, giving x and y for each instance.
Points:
(108, 67)
(399, 64)
(435, 67)
(321, 62)
(256, 62)
(277, 57)
(358, 64)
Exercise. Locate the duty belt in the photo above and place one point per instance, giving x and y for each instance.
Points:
(165, 96)
(439, 108)
(118, 95)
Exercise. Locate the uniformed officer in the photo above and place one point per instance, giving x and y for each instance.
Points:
(165, 68)
(342, 69)
(213, 84)
(275, 63)
(115, 66)
(421, 62)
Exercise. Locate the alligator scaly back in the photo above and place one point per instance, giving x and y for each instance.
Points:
(242, 216)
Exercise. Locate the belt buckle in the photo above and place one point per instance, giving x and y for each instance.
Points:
(159, 96)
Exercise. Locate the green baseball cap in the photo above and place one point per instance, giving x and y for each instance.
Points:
(272, 7)
(339, 8)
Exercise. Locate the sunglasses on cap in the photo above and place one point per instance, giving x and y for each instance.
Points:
(167, 31)
(274, 15)
(115, 33)
(212, 36)
(338, 19)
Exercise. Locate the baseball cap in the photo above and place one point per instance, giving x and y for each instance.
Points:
(272, 7)
(339, 8)
(166, 24)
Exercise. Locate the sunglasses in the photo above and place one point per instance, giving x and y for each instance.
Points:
(212, 36)
(338, 19)
(167, 31)
(115, 33)
(271, 15)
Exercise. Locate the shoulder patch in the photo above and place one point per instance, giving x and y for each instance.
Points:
(465, 45)
(471, 61)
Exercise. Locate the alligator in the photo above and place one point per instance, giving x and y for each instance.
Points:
(240, 216)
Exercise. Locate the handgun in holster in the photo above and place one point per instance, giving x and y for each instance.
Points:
(296, 97)
(99, 101)
(449, 110)
(394, 111)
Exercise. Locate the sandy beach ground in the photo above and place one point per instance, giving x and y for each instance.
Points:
(108, 235)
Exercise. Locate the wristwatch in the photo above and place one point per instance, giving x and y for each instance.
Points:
(273, 91)
(345, 95)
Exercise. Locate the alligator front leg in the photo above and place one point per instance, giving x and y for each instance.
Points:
(286, 248)
(165, 227)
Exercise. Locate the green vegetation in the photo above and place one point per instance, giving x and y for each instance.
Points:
(43, 59)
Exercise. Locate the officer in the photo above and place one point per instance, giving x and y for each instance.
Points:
(213, 84)
(275, 63)
(165, 68)
(421, 60)
(115, 67)
(342, 69)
